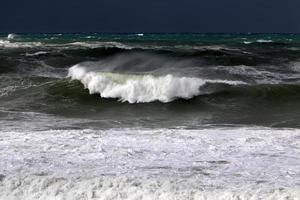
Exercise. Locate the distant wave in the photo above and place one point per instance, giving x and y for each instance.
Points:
(262, 75)
(39, 53)
(11, 36)
(88, 45)
(101, 44)
(8, 44)
(264, 41)
(141, 88)
(258, 41)
(247, 42)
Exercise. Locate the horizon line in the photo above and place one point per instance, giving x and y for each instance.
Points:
(126, 33)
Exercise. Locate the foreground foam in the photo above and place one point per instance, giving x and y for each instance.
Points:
(216, 163)
(49, 187)
(141, 88)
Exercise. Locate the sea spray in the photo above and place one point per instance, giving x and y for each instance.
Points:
(140, 88)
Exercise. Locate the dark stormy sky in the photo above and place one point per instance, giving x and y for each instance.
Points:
(150, 16)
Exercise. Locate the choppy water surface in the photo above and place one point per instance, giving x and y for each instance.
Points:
(157, 116)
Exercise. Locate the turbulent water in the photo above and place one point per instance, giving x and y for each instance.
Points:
(149, 116)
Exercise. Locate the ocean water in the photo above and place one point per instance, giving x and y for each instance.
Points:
(149, 116)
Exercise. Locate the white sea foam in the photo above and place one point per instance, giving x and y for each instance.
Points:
(101, 44)
(44, 70)
(205, 47)
(7, 90)
(39, 53)
(259, 41)
(247, 42)
(141, 88)
(260, 75)
(8, 44)
(11, 36)
(216, 163)
(13, 83)
(51, 187)
(295, 66)
(264, 41)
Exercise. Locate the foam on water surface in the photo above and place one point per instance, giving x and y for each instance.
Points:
(141, 88)
(9, 44)
(227, 163)
(11, 36)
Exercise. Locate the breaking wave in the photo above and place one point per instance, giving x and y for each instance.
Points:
(39, 53)
(8, 44)
(141, 88)
(264, 41)
(101, 44)
(11, 36)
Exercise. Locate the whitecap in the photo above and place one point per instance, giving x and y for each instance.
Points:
(141, 88)
(264, 41)
(247, 42)
(8, 44)
(11, 36)
(39, 53)
(101, 44)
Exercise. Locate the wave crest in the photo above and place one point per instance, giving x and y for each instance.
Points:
(140, 88)
(11, 36)
(94, 45)
(9, 44)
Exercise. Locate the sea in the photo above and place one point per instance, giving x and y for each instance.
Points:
(149, 116)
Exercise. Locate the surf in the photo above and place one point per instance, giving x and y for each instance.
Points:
(141, 88)
(11, 36)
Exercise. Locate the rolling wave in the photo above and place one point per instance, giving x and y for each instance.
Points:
(11, 36)
(264, 41)
(101, 45)
(9, 44)
(36, 54)
(141, 88)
